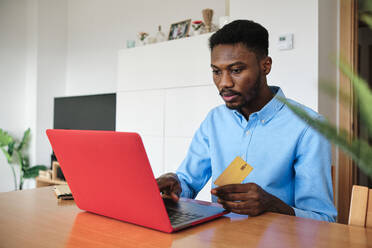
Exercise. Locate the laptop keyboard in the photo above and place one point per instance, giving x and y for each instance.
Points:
(177, 217)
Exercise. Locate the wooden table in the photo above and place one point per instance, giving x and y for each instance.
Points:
(35, 218)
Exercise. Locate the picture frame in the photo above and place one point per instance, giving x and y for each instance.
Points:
(179, 29)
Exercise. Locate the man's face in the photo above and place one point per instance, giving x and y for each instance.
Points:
(237, 73)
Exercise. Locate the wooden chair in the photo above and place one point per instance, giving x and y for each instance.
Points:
(361, 207)
(333, 174)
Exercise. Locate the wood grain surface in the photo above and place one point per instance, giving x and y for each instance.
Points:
(35, 218)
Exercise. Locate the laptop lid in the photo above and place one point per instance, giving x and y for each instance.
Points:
(109, 174)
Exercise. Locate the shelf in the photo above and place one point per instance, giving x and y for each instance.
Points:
(43, 182)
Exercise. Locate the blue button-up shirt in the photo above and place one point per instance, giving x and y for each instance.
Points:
(290, 159)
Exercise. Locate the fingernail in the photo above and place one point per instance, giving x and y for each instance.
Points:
(175, 196)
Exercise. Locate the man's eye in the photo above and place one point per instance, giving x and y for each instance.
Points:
(216, 72)
(236, 71)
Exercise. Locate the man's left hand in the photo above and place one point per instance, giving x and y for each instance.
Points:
(249, 199)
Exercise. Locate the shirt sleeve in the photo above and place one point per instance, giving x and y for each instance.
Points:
(313, 181)
(195, 170)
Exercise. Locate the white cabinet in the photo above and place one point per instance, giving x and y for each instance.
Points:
(170, 64)
(165, 91)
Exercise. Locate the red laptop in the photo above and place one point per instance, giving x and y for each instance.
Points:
(109, 174)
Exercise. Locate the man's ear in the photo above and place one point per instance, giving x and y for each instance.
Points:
(266, 65)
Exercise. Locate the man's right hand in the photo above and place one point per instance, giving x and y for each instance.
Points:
(169, 186)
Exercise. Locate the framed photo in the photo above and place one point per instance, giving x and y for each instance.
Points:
(179, 30)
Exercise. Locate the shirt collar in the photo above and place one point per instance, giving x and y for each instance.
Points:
(273, 106)
(270, 109)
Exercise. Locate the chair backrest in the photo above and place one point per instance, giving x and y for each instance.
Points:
(361, 207)
(333, 174)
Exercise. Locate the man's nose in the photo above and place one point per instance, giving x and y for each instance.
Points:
(226, 80)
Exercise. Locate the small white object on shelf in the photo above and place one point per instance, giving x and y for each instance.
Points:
(160, 36)
(151, 40)
(131, 43)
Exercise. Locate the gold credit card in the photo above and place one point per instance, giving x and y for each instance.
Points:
(235, 173)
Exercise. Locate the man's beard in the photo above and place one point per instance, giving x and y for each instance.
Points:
(254, 92)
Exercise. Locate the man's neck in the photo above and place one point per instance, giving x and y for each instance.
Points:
(256, 105)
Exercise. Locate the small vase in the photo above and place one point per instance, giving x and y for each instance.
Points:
(160, 36)
(197, 32)
(141, 42)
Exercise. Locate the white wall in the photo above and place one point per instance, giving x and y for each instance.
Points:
(296, 70)
(32, 69)
(327, 54)
(97, 29)
(13, 17)
(51, 69)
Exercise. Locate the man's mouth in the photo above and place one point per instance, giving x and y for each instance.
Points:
(229, 96)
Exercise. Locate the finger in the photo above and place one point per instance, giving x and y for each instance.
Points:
(250, 212)
(171, 192)
(166, 196)
(240, 205)
(236, 188)
(230, 188)
(174, 197)
(248, 196)
(242, 209)
(234, 196)
(165, 189)
(176, 188)
(165, 185)
(231, 205)
(166, 179)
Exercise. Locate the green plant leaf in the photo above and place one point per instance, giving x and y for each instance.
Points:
(25, 139)
(365, 6)
(363, 93)
(331, 90)
(23, 160)
(26, 161)
(367, 19)
(11, 148)
(362, 155)
(20, 158)
(7, 155)
(5, 138)
(33, 171)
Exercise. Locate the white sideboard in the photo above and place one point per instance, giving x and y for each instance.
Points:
(165, 90)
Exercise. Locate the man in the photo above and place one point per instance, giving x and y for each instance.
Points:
(291, 161)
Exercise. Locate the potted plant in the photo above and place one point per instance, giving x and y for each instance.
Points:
(197, 27)
(15, 154)
(142, 36)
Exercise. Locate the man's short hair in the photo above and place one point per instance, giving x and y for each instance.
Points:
(251, 34)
